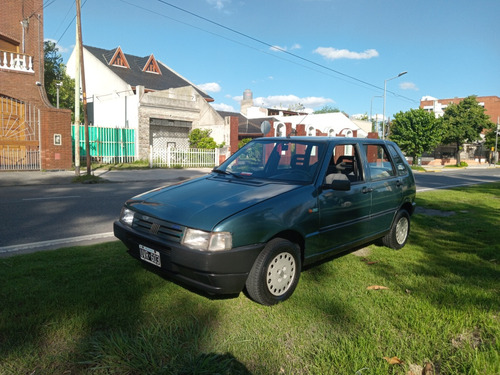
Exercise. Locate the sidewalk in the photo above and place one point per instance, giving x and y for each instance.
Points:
(26, 178)
(442, 168)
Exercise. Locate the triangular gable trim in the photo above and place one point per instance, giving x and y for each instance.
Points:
(119, 59)
(151, 66)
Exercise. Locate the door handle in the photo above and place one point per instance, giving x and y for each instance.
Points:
(399, 183)
(366, 190)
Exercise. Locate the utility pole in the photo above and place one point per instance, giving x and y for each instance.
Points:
(496, 140)
(84, 92)
(77, 92)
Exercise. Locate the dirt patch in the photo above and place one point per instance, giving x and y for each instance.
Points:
(433, 212)
(364, 252)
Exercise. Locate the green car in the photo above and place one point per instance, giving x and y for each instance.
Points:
(275, 206)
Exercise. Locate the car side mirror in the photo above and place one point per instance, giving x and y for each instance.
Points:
(337, 181)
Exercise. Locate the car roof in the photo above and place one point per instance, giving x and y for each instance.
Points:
(324, 139)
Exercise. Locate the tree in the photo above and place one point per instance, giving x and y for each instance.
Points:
(296, 107)
(491, 136)
(491, 139)
(415, 132)
(326, 109)
(201, 139)
(463, 122)
(243, 142)
(55, 72)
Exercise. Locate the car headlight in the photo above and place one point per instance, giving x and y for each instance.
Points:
(127, 216)
(211, 241)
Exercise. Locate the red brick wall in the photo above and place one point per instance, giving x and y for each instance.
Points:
(301, 130)
(23, 86)
(56, 156)
(233, 136)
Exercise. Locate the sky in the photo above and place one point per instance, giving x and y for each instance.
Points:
(316, 53)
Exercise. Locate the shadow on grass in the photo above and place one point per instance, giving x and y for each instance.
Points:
(77, 310)
(458, 258)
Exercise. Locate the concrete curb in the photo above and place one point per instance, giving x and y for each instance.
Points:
(27, 178)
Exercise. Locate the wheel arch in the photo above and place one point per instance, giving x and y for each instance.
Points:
(408, 206)
(292, 236)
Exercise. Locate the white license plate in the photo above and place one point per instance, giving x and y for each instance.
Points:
(149, 255)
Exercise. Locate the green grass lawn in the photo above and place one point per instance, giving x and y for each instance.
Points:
(96, 310)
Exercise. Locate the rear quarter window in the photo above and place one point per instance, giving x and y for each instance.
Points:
(401, 166)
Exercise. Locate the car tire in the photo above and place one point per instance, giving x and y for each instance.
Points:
(399, 232)
(275, 273)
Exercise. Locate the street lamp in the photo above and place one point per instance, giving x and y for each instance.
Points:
(385, 91)
(371, 106)
(58, 84)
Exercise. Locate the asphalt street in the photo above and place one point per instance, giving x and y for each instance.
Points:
(45, 210)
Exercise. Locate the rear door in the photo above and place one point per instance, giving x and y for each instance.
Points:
(385, 187)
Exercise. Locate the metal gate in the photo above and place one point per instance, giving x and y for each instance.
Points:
(168, 133)
(19, 135)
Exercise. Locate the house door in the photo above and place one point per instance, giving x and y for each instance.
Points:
(19, 135)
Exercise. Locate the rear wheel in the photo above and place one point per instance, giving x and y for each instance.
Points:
(400, 230)
(275, 273)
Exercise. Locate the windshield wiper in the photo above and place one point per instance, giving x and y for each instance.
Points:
(220, 171)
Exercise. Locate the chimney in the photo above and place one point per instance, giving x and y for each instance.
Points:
(246, 102)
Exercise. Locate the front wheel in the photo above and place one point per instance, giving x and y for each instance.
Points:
(275, 273)
(400, 230)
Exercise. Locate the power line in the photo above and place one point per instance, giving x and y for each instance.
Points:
(269, 45)
(69, 24)
(237, 42)
(280, 49)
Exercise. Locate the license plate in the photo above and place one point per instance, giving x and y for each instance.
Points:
(149, 255)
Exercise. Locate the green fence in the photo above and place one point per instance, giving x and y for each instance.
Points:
(107, 145)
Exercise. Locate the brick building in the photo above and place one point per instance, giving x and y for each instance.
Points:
(33, 134)
(491, 105)
(471, 153)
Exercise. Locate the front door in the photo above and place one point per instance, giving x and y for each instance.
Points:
(343, 215)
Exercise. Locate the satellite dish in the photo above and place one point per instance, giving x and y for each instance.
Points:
(265, 127)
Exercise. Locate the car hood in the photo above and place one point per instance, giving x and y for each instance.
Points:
(204, 202)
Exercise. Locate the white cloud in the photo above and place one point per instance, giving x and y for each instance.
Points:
(408, 86)
(223, 107)
(330, 53)
(58, 46)
(219, 4)
(210, 87)
(277, 48)
(286, 101)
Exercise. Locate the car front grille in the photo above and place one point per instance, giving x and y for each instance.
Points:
(162, 229)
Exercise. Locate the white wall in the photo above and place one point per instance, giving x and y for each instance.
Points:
(108, 92)
(324, 122)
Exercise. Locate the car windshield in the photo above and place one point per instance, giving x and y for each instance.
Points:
(280, 160)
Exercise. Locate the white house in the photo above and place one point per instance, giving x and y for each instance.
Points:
(331, 124)
(142, 93)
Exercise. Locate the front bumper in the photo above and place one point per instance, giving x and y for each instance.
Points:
(213, 272)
